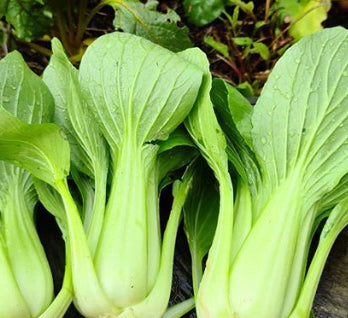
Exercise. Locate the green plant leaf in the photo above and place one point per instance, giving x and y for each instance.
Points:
(246, 89)
(336, 195)
(200, 216)
(262, 49)
(208, 136)
(243, 41)
(299, 134)
(247, 7)
(218, 46)
(139, 93)
(170, 162)
(3, 7)
(89, 154)
(52, 202)
(179, 137)
(143, 20)
(174, 153)
(315, 135)
(41, 149)
(120, 102)
(235, 118)
(30, 19)
(201, 12)
(22, 92)
(306, 15)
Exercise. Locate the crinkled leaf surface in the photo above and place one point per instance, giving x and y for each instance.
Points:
(88, 147)
(288, 135)
(143, 20)
(137, 88)
(201, 12)
(71, 113)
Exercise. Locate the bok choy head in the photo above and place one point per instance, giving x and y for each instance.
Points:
(291, 155)
(139, 93)
(25, 277)
(117, 112)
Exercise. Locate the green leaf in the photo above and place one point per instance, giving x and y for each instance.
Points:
(3, 7)
(237, 104)
(3, 37)
(88, 147)
(235, 118)
(262, 49)
(208, 136)
(201, 12)
(178, 137)
(260, 24)
(139, 93)
(200, 216)
(135, 93)
(336, 195)
(243, 40)
(174, 153)
(61, 79)
(306, 15)
(288, 136)
(41, 149)
(143, 20)
(218, 46)
(300, 137)
(170, 162)
(246, 89)
(22, 92)
(30, 19)
(52, 202)
(248, 7)
(202, 123)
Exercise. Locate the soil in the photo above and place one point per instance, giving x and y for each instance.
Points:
(332, 296)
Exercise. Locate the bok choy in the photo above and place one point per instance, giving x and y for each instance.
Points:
(25, 276)
(116, 112)
(290, 155)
